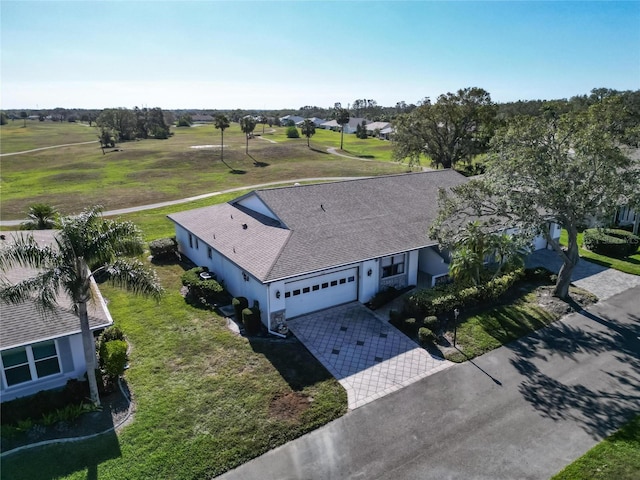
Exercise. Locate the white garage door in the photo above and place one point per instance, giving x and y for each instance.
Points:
(323, 291)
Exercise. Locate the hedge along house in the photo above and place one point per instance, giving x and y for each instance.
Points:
(43, 350)
(305, 248)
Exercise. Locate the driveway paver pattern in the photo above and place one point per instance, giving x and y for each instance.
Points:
(369, 357)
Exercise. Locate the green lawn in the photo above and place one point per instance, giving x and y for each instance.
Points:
(629, 265)
(206, 399)
(616, 457)
(490, 329)
(149, 171)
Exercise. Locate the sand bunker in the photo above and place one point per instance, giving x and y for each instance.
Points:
(207, 146)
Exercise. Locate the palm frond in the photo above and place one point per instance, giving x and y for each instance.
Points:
(25, 252)
(134, 277)
(41, 288)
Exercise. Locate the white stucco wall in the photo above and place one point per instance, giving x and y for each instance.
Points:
(431, 262)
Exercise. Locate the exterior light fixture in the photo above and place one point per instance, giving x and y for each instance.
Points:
(369, 272)
(277, 293)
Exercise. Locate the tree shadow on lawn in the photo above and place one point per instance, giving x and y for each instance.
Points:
(313, 149)
(256, 163)
(293, 361)
(599, 411)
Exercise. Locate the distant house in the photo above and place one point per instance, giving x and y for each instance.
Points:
(386, 133)
(304, 248)
(202, 118)
(351, 127)
(316, 121)
(290, 118)
(627, 217)
(42, 350)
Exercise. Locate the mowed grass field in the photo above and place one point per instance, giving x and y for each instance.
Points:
(149, 171)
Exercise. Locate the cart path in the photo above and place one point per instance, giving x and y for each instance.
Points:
(47, 148)
(122, 211)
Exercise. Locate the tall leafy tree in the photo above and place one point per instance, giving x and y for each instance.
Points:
(221, 122)
(454, 128)
(40, 216)
(564, 169)
(308, 129)
(85, 245)
(247, 125)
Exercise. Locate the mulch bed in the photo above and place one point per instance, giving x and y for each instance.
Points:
(115, 409)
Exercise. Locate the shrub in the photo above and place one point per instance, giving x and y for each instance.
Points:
(207, 290)
(611, 242)
(251, 320)
(292, 132)
(409, 326)
(239, 304)
(113, 357)
(383, 297)
(163, 248)
(431, 322)
(426, 336)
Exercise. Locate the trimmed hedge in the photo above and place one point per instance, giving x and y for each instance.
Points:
(164, 248)
(251, 320)
(426, 336)
(383, 297)
(209, 290)
(113, 356)
(239, 304)
(442, 299)
(611, 242)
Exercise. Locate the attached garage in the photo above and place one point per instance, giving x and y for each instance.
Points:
(321, 291)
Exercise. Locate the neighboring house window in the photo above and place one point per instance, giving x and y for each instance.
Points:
(31, 362)
(190, 241)
(392, 266)
(209, 252)
(197, 243)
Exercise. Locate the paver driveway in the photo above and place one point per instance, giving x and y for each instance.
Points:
(369, 357)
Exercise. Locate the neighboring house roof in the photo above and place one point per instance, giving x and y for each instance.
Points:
(308, 228)
(293, 118)
(24, 324)
(330, 124)
(377, 126)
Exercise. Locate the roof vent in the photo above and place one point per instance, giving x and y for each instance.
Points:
(322, 207)
(244, 226)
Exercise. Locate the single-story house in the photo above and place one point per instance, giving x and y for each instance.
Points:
(374, 128)
(316, 121)
(627, 217)
(42, 350)
(304, 248)
(386, 133)
(351, 127)
(290, 118)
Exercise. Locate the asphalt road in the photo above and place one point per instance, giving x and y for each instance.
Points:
(523, 411)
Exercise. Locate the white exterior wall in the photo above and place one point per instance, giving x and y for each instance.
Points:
(431, 262)
(58, 380)
(225, 271)
(369, 284)
(412, 267)
(252, 202)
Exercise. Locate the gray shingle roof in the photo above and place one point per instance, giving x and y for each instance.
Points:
(23, 324)
(327, 224)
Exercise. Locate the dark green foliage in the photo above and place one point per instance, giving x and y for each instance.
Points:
(163, 248)
(46, 401)
(251, 320)
(409, 326)
(426, 336)
(185, 121)
(205, 291)
(292, 132)
(537, 274)
(113, 357)
(431, 322)
(383, 297)
(611, 242)
(442, 299)
(239, 304)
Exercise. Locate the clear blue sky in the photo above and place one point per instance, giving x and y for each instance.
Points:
(279, 54)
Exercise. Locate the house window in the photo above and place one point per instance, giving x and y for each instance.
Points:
(287, 294)
(343, 281)
(392, 266)
(209, 252)
(334, 283)
(197, 243)
(306, 289)
(28, 363)
(190, 241)
(316, 287)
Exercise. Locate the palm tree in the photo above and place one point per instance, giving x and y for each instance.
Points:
(507, 253)
(308, 129)
(248, 124)
(342, 118)
(85, 245)
(40, 216)
(221, 122)
(464, 266)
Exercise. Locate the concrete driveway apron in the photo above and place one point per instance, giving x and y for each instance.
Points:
(369, 357)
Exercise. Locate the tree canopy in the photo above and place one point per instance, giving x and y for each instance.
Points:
(308, 129)
(565, 169)
(456, 127)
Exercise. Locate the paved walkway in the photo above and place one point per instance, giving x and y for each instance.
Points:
(522, 411)
(601, 281)
(46, 148)
(369, 357)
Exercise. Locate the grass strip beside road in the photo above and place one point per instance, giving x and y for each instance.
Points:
(616, 457)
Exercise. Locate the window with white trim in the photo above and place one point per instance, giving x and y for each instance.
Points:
(31, 362)
(392, 266)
